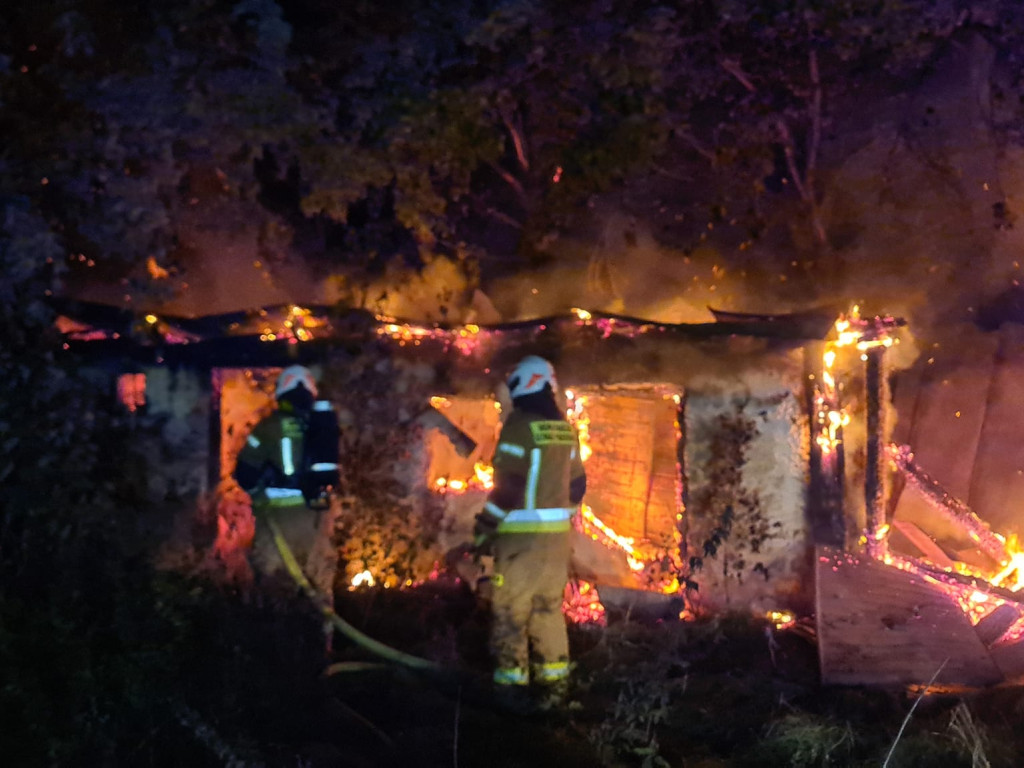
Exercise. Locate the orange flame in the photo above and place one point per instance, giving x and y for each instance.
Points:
(362, 579)
(625, 543)
(973, 600)
(1014, 566)
(576, 414)
(830, 415)
(482, 479)
(484, 475)
(781, 619)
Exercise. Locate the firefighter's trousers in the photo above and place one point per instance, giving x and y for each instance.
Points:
(528, 636)
(308, 532)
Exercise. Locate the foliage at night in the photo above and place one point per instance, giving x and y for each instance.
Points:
(480, 131)
(385, 528)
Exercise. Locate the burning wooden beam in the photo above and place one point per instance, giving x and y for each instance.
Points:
(952, 508)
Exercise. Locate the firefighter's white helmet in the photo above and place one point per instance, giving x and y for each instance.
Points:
(530, 375)
(291, 377)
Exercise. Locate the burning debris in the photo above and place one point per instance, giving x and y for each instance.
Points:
(879, 612)
(582, 604)
(948, 506)
(979, 590)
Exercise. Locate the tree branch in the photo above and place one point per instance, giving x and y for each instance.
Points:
(734, 69)
(815, 139)
(516, 132)
(698, 147)
(813, 144)
(504, 218)
(790, 151)
(511, 180)
(805, 182)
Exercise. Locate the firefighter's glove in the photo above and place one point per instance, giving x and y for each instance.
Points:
(485, 528)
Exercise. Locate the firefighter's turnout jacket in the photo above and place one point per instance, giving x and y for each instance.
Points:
(539, 481)
(287, 465)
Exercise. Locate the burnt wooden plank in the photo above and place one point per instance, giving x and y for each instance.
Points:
(1009, 657)
(878, 625)
(921, 541)
(991, 628)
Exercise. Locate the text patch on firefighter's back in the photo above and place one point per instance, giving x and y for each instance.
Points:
(552, 433)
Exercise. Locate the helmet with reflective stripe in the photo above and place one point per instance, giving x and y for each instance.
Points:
(293, 376)
(531, 375)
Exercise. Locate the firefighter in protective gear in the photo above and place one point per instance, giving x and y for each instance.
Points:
(538, 483)
(288, 466)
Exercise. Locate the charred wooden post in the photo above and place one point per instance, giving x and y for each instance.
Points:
(826, 514)
(874, 474)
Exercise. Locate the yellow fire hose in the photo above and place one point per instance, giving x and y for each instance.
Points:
(363, 641)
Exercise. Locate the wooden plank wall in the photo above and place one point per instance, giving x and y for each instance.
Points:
(632, 475)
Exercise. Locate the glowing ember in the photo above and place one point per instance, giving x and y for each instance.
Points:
(298, 325)
(886, 341)
(465, 339)
(973, 599)
(446, 484)
(582, 605)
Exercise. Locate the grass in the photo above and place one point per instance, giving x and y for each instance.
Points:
(162, 669)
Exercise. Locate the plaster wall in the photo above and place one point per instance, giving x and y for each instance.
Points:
(746, 451)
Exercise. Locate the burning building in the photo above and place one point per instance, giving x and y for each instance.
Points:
(744, 464)
(714, 451)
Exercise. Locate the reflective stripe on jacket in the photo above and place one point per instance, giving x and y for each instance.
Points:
(277, 443)
(543, 457)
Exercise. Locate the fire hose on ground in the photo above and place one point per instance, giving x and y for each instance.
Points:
(323, 604)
